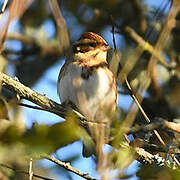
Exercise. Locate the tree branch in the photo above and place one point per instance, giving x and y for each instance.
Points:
(146, 46)
(162, 123)
(25, 172)
(51, 106)
(147, 158)
(26, 93)
(68, 167)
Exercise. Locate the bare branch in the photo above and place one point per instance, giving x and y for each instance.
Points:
(16, 10)
(162, 39)
(161, 123)
(148, 120)
(61, 24)
(3, 7)
(113, 32)
(68, 167)
(147, 158)
(142, 111)
(28, 94)
(46, 48)
(47, 104)
(172, 125)
(25, 172)
(44, 102)
(30, 170)
(146, 46)
(21, 38)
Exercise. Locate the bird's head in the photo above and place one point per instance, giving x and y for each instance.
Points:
(90, 48)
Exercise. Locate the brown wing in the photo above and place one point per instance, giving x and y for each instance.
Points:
(61, 74)
(112, 83)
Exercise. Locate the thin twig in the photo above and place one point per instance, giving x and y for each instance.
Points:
(68, 167)
(142, 111)
(22, 38)
(46, 48)
(16, 10)
(113, 32)
(123, 78)
(159, 123)
(136, 101)
(25, 172)
(115, 61)
(61, 25)
(146, 46)
(33, 107)
(30, 169)
(140, 11)
(145, 128)
(173, 126)
(148, 121)
(161, 42)
(3, 7)
(38, 99)
(167, 28)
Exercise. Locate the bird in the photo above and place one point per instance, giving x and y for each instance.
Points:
(87, 84)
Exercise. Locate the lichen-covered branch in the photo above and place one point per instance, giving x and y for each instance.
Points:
(147, 158)
(26, 93)
(68, 167)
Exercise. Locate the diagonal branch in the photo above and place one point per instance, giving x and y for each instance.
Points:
(68, 167)
(26, 93)
(24, 172)
(61, 24)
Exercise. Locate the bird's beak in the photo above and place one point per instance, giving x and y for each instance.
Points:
(106, 48)
(109, 48)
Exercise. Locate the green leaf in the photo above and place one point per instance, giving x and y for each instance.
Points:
(157, 172)
(122, 157)
(47, 139)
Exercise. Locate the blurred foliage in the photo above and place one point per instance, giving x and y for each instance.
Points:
(4, 109)
(36, 46)
(50, 138)
(156, 172)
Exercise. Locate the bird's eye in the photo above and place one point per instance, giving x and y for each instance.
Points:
(92, 44)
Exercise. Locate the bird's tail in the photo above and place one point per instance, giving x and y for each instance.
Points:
(100, 134)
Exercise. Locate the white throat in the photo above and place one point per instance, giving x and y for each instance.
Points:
(94, 56)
